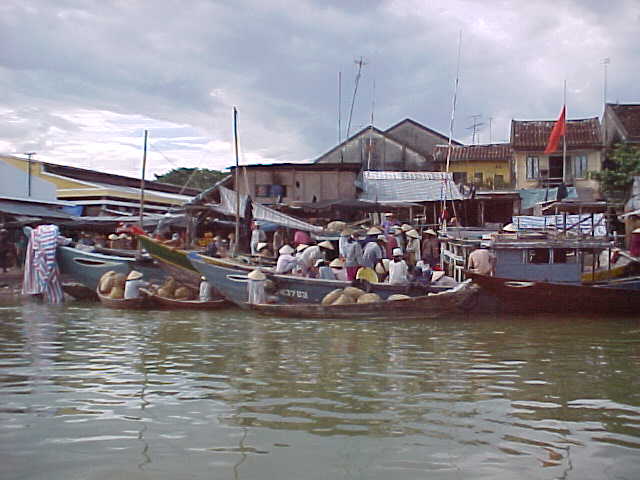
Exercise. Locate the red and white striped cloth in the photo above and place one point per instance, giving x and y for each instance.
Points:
(41, 272)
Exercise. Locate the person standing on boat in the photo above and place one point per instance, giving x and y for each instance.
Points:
(301, 238)
(413, 247)
(398, 234)
(398, 269)
(257, 236)
(430, 247)
(204, 295)
(314, 253)
(133, 284)
(353, 259)
(286, 261)
(256, 283)
(374, 252)
(481, 260)
(343, 242)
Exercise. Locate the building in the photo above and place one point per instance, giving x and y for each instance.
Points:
(97, 193)
(488, 167)
(621, 124)
(534, 169)
(406, 146)
(298, 182)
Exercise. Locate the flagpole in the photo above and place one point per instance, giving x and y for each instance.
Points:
(564, 137)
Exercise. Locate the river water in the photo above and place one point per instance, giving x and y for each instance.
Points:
(90, 393)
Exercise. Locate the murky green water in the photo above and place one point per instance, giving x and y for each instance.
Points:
(89, 393)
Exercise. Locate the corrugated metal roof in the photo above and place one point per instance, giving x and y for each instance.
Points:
(501, 152)
(629, 116)
(534, 135)
(31, 210)
(408, 187)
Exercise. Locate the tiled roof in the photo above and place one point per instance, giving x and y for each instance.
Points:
(533, 135)
(629, 117)
(474, 153)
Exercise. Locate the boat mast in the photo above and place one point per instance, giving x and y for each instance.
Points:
(237, 183)
(144, 167)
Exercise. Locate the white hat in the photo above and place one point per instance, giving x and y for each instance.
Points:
(397, 252)
(260, 246)
(396, 228)
(510, 228)
(175, 236)
(413, 234)
(406, 227)
(122, 235)
(286, 250)
(204, 279)
(113, 236)
(301, 247)
(134, 275)
(389, 214)
(431, 232)
(256, 275)
(318, 262)
(326, 244)
(637, 230)
(336, 263)
(374, 231)
(382, 238)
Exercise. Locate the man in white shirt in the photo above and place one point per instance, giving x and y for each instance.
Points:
(286, 261)
(133, 284)
(398, 269)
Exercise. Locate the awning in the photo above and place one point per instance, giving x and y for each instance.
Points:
(393, 187)
(31, 210)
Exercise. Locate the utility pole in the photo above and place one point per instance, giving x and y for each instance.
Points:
(490, 130)
(474, 127)
(605, 63)
(360, 63)
(29, 154)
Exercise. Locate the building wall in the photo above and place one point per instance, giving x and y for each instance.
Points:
(594, 163)
(300, 185)
(417, 138)
(14, 182)
(489, 170)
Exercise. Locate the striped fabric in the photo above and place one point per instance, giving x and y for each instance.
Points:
(41, 272)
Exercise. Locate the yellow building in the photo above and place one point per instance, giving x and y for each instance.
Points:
(535, 169)
(488, 167)
(97, 192)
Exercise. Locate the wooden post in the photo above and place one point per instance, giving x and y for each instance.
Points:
(144, 166)
(237, 182)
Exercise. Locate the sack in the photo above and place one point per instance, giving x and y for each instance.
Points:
(106, 282)
(331, 297)
(398, 296)
(117, 293)
(183, 293)
(369, 298)
(354, 292)
(343, 300)
(119, 279)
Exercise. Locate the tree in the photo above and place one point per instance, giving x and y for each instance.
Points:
(199, 178)
(623, 165)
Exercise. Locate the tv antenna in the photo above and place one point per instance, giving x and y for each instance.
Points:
(475, 126)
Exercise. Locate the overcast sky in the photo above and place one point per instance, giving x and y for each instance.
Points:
(81, 80)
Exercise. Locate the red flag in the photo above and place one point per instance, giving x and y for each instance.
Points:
(558, 131)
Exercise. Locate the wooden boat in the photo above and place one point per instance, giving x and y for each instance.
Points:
(434, 305)
(173, 261)
(139, 303)
(173, 304)
(528, 296)
(88, 267)
(230, 279)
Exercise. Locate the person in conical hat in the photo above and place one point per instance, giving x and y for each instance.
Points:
(413, 250)
(430, 248)
(398, 269)
(326, 245)
(287, 262)
(406, 227)
(286, 250)
(374, 231)
(301, 247)
(133, 284)
(313, 253)
(337, 267)
(205, 290)
(256, 293)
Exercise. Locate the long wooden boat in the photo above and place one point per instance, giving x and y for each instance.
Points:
(172, 304)
(230, 279)
(173, 261)
(525, 296)
(434, 305)
(139, 303)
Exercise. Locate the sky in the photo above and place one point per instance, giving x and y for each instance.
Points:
(80, 80)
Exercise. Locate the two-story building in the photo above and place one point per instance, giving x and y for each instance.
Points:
(488, 167)
(621, 124)
(535, 169)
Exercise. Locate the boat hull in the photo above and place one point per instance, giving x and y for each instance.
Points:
(173, 261)
(429, 306)
(231, 281)
(140, 303)
(532, 296)
(171, 304)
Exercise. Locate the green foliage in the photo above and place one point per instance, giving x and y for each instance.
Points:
(200, 178)
(624, 164)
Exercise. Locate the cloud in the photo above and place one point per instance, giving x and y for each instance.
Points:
(83, 79)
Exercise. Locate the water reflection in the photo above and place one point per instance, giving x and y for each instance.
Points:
(459, 396)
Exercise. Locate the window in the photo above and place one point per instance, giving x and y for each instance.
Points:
(263, 190)
(498, 181)
(533, 168)
(580, 166)
(477, 178)
(459, 177)
(538, 255)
